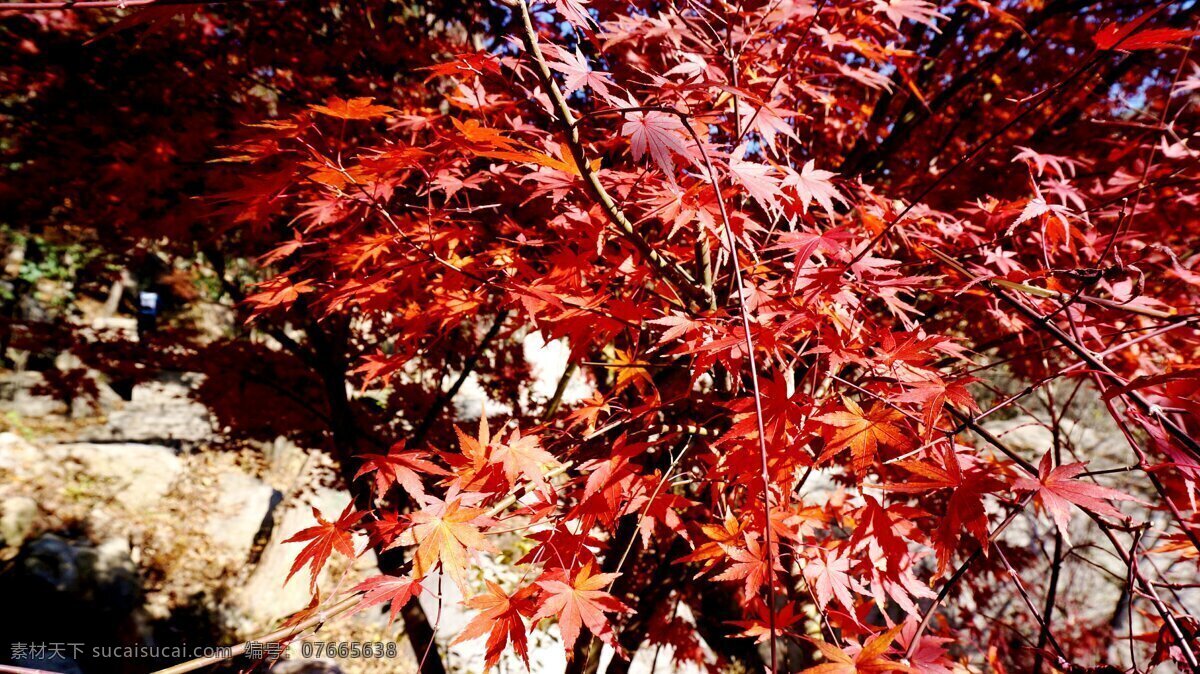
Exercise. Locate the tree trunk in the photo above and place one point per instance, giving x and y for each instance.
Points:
(331, 367)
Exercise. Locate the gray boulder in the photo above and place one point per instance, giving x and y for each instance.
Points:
(17, 517)
(103, 575)
(160, 412)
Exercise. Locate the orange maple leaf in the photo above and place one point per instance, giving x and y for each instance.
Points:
(501, 619)
(446, 532)
(491, 143)
(710, 552)
(862, 432)
(355, 108)
(588, 412)
(869, 659)
(522, 456)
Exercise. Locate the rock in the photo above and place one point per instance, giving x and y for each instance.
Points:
(115, 579)
(264, 598)
(158, 412)
(138, 475)
(285, 458)
(69, 591)
(548, 362)
(17, 398)
(53, 561)
(212, 321)
(242, 505)
(103, 576)
(15, 452)
(122, 327)
(17, 517)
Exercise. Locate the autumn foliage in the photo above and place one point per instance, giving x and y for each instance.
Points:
(802, 253)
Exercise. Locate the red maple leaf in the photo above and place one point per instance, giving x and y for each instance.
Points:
(575, 12)
(759, 627)
(399, 467)
(576, 72)
(1055, 490)
(562, 545)
(656, 505)
(965, 506)
(759, 180)
(805, 244)
(812, 184)
(397, 590)
(659, 134)
(929, 655)
(323, 539)
(749, 565)
(581, 602)
(829, 577)
(934, 394)
(883, 531)
(501, 619)
(1124, 36)
(783, 413)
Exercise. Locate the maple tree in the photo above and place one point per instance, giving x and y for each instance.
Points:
(801, 252)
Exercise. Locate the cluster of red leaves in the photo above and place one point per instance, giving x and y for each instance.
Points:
(792, 246)
(655, 188)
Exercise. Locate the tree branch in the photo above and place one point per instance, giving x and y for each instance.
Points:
(671, 271)
(445, 397)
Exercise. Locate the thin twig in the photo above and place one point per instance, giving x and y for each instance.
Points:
(674, 274)
(446, 397)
